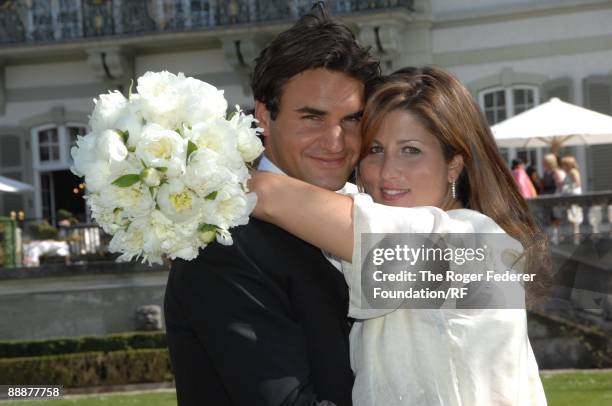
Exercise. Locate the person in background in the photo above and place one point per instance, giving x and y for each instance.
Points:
(534, 177)
(522, 179)
(554, 176)
(572, 184)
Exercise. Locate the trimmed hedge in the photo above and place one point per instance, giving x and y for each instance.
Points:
(56, 346)
(89, 369)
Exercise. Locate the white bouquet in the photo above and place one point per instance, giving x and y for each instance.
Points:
(165, 169)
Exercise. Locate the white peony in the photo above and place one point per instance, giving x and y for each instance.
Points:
(110, 147)
(144, 189)
(161, 98)
(231, 207)
(249, 144)
(219, 136)
(205, 172)
(201, 101)
(132, 121)
(134, 201)
(178, 202)
(84, 154)
(162, 148)
(107, 110)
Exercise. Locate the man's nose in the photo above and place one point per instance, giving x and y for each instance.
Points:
(333, 139)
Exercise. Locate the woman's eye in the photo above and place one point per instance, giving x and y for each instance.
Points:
(411, 150)
(375, 149)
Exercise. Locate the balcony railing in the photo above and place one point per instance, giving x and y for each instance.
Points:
(572, 218)
(33, 21)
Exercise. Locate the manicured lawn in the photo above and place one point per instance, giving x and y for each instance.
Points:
(589, 388)
(165, 398)
(592, 388)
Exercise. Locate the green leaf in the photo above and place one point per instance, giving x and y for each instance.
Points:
(162, 169)
(191, 148)
(203, 228)
(124, 135)
(126, 180)
(130, 89)
(231, 115)
(211, 196)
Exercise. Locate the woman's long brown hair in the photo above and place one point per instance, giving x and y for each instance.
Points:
(449, 112)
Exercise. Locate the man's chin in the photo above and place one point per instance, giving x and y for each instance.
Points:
(333, 184)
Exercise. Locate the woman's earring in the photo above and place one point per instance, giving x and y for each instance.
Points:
(454, 189)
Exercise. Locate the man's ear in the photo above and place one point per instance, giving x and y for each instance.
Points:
(262, 114)
(455, 166)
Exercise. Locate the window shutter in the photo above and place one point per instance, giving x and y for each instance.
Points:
(560, 88)
(598, 97)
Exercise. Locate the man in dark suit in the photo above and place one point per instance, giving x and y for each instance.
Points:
(263, 321)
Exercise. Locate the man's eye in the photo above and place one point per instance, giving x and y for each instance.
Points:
(311, 117)
(354, 119)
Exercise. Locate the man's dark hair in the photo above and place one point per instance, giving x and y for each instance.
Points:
(314, 41)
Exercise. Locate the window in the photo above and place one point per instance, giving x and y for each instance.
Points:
(52, 144)
(53, 182)
(501, 103)
(48, 145)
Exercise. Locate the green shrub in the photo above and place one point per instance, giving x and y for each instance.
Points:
(43, 231)
(89, 369)
(56, 346)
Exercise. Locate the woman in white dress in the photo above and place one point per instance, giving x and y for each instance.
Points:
(429, 164)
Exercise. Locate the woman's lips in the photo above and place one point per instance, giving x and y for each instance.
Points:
(393, 194)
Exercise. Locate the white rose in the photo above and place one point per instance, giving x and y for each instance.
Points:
(178, 202)
(201, 101)
(162, 148)
(107, 110)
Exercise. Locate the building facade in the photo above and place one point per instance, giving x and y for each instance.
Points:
(57, 55)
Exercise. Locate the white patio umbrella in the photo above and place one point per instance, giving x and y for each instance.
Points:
(554, 123)
(13, 186)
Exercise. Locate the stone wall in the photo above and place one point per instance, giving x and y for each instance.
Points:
(76, 300)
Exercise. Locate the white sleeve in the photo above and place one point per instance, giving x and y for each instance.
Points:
(370, 217)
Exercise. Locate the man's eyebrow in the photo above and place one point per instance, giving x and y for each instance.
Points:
(311, 110)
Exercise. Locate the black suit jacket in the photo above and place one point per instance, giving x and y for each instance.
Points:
(260, 322)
